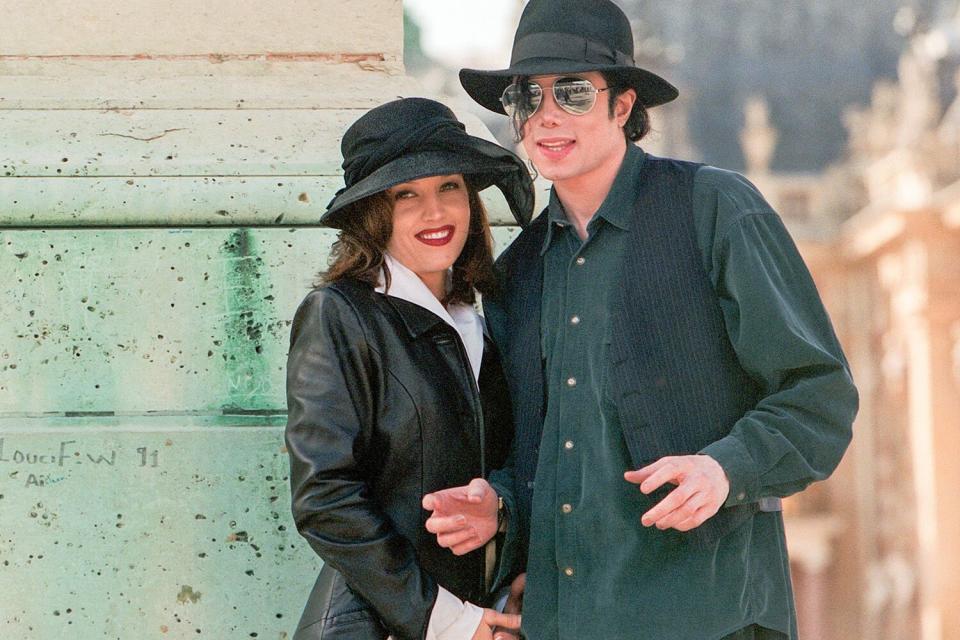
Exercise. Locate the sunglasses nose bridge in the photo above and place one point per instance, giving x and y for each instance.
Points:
(549, 104)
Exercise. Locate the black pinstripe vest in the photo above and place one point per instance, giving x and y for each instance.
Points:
(676, 379)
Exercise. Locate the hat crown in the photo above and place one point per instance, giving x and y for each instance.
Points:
(391, 130)
(384, 121)
(595, 21)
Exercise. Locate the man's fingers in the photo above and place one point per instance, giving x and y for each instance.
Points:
(504, 620)
(429, 502)
(445, 524)
(450, 540)
(518, 585)
(674, 500)
(698, 518)
(462, 549)
(663, 475)
(639, 475)
(477, 490)
(446, 501)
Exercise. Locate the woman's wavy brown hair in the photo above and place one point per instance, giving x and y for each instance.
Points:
(366, 230)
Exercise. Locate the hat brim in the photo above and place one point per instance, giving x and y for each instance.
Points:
(483, 166)
(486, 87)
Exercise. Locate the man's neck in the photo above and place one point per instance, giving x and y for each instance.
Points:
(582, 195)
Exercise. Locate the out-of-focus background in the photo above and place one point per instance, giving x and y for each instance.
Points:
(162, 168)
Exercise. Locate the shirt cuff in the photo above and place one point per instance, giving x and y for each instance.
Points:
(453, 619)
(740, 468)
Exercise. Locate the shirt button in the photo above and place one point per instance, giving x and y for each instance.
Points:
(741, 495)
(566, 508)
(571, 382)
(575, 320)
(568, 571)
(581, 261)
(568, 445)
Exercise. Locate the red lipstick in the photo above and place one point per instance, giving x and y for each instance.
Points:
(436, 237)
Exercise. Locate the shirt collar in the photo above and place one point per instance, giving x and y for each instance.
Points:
(616, 208)
(406, 285)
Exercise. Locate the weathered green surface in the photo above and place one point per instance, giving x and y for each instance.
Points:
(173, 201)
(170, 167)
(169, 512)
(145, 320)
(173, 142)
(156, 235)
(140, 528)
(165, 201)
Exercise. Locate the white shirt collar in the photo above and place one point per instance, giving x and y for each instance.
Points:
(406, 285)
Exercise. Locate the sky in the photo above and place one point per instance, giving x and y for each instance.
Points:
(462, 32)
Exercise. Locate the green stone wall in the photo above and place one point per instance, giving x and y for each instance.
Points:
(151, 262)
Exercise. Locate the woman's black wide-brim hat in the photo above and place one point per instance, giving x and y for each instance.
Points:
(569, 36)
(415, 138)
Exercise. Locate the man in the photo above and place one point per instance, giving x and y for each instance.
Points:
(672, 369)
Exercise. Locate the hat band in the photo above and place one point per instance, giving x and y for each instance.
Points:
(567, 46)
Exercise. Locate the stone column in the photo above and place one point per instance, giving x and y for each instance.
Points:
(929, 301)
(163, 167)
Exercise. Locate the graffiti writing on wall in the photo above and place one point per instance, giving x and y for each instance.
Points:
(41, 467)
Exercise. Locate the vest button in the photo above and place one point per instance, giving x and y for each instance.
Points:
(568, 445)
(581, 261)
(568, 571)
(575, 320)
(571, 382)
(567, 508)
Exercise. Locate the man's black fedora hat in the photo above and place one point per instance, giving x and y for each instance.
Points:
(569, 36)
(415, 138)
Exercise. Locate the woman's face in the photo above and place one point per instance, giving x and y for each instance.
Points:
(431, 219)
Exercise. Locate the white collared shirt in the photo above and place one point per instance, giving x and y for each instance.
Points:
(406, 285)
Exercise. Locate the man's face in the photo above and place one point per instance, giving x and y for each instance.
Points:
(566, 147)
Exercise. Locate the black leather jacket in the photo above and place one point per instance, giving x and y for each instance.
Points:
(383, 408)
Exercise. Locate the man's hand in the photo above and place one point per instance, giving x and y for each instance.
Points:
(496, 620)
(514, 604)
(464, 518)
(702, 488)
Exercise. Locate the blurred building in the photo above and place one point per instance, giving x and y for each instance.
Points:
(876, 549)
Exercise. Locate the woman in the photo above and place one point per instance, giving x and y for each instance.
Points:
(392, 388)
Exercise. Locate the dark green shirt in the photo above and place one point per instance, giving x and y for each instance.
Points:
(593, 570)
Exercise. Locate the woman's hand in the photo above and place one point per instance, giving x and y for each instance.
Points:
(463, 518)
(496, 620)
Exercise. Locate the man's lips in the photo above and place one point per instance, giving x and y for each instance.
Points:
(555, 148)
(436, 237)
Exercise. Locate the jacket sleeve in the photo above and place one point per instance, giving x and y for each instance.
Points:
(508, 558)
(331, 373)
(800, 428)
(503, 480)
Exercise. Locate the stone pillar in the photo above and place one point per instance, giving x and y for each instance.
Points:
(163, 167)
(908, 510)
(929, 302)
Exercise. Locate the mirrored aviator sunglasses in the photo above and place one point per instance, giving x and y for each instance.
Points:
(574, 95)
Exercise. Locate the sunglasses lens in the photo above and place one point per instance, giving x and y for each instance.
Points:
(575, 96)
(522, 101)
